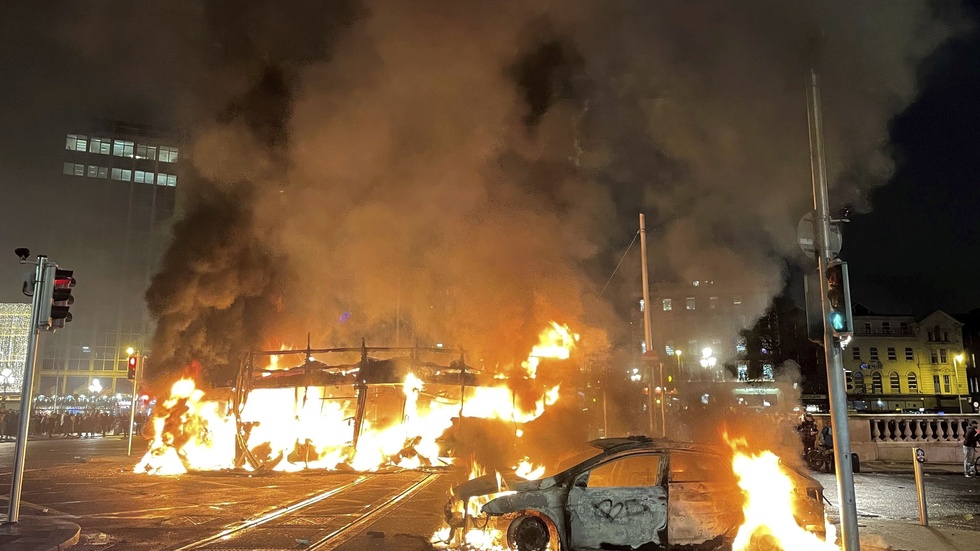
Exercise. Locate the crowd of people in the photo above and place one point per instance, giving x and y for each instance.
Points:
(67, 424)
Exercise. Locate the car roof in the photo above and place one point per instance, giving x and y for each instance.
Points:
(612, 445)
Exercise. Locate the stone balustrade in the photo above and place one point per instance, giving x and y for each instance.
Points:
(890, 437)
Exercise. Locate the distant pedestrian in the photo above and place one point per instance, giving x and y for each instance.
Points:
(970, 450)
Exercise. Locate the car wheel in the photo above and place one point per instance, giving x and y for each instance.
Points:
(528, 533)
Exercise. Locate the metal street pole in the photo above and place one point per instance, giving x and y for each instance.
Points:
(835, 365)
(647, 335)
(132, 402)
(27, 389)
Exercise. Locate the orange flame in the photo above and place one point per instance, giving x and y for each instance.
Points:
(289, 429)
(557, 341)
(768, 507)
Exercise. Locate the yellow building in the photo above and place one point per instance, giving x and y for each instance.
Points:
(895, 363)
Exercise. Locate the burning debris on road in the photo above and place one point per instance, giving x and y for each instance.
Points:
(316, 416)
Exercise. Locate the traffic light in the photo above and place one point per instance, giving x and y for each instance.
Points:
(56, 299)
(133, 362)
(839, 299)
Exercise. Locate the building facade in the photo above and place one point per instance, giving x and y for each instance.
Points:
(898, 363)
(698, 327)
(116, 184)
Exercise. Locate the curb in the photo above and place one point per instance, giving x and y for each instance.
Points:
(39, 534)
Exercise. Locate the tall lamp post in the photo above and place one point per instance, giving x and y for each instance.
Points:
(5, 375)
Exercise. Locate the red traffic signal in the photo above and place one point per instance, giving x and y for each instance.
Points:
(133, 361)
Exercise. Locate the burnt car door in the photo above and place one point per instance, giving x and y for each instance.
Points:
(621, 502)
(705, 500)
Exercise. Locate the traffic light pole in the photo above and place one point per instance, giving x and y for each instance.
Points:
(27, 390)
(132, 403)
(835, 365)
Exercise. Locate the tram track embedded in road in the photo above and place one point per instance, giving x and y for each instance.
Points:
(273, 515)
(341, 535)
(319, 524)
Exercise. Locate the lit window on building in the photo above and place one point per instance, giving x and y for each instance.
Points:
(74, 169)
(100, 146)
(168, 154)
(122, 148)
(913, 382)
(891, 354)
(713, 303)
(122, 174)
(76, 142)
(97, 171)
(669, 350)
(909, 355)
(668, 305)
(743, 371)
(767, 372)
(874, 354)
(643, 347)
(737, 300)
(169, 180)
(947, 384)
(855, 353)
(642, 305)
(146, 152)
(689, 303)
(741, 346)
(143, 177)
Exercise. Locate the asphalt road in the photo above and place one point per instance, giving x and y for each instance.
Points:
(91, 483)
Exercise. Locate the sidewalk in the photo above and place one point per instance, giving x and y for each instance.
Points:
(38, 534)
(893, 535)
(898, 467)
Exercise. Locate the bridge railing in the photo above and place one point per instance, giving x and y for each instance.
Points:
(888, 437)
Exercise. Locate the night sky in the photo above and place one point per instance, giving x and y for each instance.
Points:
(919, 248)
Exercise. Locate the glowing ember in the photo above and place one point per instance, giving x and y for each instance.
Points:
(555, 342)
(768, 505)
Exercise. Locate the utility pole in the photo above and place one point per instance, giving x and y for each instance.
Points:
(647, 334)
(835, 365)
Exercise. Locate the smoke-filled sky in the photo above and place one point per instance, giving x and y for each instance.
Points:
(464, 172)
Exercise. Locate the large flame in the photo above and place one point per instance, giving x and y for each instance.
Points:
(291, 429)
(557, 341)
(768, 507)
(489, 537)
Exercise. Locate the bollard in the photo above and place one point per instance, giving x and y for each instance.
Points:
(918, 458)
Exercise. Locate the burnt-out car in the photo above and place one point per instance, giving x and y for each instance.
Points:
(626, 493)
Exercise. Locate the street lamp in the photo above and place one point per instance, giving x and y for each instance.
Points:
(95, 388)
(5, 375)
(680, 366)
(708, 360)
